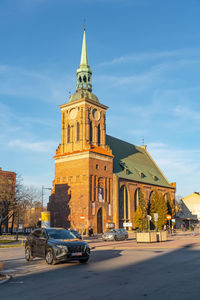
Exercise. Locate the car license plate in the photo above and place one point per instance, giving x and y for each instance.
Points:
(77, 254)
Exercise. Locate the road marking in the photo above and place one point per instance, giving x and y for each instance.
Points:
(8, 271)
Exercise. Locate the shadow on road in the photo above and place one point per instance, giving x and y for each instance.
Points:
(115, 274)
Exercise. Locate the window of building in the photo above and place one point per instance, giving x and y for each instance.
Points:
(97, 166)
(99, 135)
(109, 210)
(93, 209)
(101, 190)
(78, 132)
(91, 132)
(68, 134)
(105, 168)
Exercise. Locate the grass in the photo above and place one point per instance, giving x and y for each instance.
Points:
(6, 242)
(11, 246)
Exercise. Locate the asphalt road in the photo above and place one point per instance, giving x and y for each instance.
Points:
(110, 274)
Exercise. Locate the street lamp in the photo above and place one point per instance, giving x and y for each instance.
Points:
(44, 188)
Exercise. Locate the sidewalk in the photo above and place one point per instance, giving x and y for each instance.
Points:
(178, 240)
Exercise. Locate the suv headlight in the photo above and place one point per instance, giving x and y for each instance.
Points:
(61, 248)
(87, 249)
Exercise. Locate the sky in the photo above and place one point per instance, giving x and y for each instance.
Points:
(145, 58)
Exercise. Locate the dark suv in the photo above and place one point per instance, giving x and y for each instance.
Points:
(56, 244)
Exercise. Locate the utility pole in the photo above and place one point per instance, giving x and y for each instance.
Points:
(44, 188)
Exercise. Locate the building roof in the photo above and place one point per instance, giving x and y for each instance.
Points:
(134, 163)
(192, 197)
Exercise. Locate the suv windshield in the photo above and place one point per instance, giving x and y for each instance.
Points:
(60, 234)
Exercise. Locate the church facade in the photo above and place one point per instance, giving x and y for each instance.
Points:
(97, 177)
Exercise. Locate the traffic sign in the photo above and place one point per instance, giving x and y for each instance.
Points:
(155, 217)
(148, 217)
(82, 217)
(169, 217)
(173, 220)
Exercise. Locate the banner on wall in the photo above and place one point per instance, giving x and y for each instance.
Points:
(100, 194)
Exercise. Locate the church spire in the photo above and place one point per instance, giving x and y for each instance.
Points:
(84, 55)
(84, 72)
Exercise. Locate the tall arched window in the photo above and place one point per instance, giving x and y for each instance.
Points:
(78, 131)
(91, 131)
(123, 206)
(101, 189)
(99, 135)
(136, 199)
(68, 134)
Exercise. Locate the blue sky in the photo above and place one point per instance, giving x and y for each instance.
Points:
(145, 58)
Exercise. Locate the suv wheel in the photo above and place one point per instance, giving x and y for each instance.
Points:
(50, 257)
(83, 261)
(28, 254)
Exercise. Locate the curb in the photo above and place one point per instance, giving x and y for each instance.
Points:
(8, 277)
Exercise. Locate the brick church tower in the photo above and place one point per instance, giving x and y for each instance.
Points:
(83, 162)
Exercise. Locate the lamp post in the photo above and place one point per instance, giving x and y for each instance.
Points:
(44, 188)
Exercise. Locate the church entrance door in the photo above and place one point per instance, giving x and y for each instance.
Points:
(99, 221)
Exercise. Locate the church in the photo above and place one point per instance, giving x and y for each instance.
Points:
(97, 176)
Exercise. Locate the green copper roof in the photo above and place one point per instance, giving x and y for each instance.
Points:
(83, 94)
(134, 163)
(84, 73)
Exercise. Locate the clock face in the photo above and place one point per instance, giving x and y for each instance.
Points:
(73, 113)
(96, 114)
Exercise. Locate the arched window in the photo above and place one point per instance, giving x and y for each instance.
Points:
(68, 134)
(99, 135)
(123, 206)
(80, 80)
(101, 189)
(84, 78)
(91, 132)
(136, 199)
(78, 131)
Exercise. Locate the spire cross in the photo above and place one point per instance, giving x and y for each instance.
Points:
(84, 21)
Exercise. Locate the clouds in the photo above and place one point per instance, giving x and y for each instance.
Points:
(45, 146)
(145, 72)
(179, 165)
(187, 114)
(156, 56)
(33, 85)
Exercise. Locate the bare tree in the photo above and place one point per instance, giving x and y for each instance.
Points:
(15, 203)
(7, 195)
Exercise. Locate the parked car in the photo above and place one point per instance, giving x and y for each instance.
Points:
(114, 234)
(124, 231)
(55, 245)
(75, 232)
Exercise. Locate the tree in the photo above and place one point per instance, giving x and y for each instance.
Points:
(178, 205)
(7, 192)
(158, 205)
(140, 216)
(28, 205)
(170, 205)
(142, 202)
(139, 219)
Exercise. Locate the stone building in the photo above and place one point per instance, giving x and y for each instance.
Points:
(97, 176)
